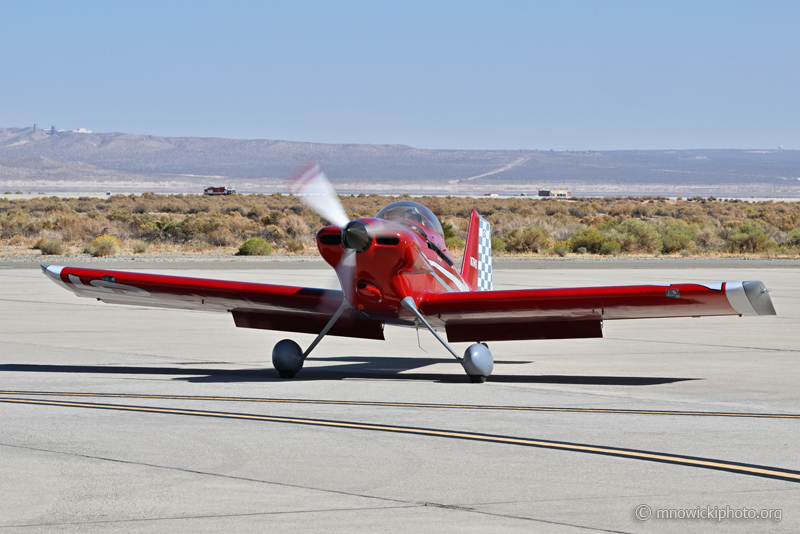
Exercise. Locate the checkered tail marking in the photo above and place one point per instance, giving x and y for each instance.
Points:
(484, 256)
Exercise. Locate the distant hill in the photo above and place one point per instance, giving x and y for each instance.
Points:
(124, 162)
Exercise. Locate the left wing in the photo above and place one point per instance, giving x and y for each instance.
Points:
(265, 306)
(580, 312)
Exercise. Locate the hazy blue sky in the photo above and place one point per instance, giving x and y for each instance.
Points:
(509, 75)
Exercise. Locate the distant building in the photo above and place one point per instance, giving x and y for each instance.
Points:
(492, 194)
(81, 130)
(554, 193)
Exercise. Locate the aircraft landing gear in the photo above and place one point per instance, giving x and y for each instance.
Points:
(477, 360)
(288, 357)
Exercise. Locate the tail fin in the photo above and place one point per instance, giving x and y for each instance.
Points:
(476, 270)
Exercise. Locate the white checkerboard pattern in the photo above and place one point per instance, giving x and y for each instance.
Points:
(484, 256)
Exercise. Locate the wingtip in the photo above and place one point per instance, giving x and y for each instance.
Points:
(759, 298)
(53, 271)
(749, 298)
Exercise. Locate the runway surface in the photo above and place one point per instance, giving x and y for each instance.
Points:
(148, 420)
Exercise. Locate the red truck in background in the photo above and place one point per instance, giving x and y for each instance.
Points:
(219, 191)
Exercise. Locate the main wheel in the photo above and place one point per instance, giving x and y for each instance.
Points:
(287, 358)
(478, 362)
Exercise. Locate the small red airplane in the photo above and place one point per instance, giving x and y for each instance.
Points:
(395, 269)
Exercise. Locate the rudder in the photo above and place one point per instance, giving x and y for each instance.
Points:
(476, 269)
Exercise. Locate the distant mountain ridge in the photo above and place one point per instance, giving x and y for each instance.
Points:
(98, 161)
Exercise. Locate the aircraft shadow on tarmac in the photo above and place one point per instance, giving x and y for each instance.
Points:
(374, 367)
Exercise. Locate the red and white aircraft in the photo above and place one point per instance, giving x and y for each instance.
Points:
(395, 269)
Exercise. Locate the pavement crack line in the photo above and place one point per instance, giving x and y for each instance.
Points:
(715, 345)
(209, 516)
(584, 448)
(204, 473)
(399, 502)
(166, 359)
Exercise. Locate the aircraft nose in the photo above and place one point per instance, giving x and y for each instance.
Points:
(356, 235)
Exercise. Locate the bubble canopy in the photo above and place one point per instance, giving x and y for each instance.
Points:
(412, 211)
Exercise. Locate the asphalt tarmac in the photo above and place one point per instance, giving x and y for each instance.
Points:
(117, 419)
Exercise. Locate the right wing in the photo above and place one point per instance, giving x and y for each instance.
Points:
(265, 306)
(579, 312)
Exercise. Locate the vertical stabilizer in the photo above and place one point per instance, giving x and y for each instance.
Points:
(476, 270)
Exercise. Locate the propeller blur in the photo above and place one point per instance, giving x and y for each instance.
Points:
(310, 185)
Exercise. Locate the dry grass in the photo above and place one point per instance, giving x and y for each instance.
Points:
(168, 224)
(51, 247)
(105, 245)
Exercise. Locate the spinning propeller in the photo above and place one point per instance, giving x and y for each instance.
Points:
(312, 187)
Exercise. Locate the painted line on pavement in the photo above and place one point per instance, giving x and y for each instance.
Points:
(689, 461)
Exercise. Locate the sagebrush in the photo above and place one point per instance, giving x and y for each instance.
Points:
(647, 225)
